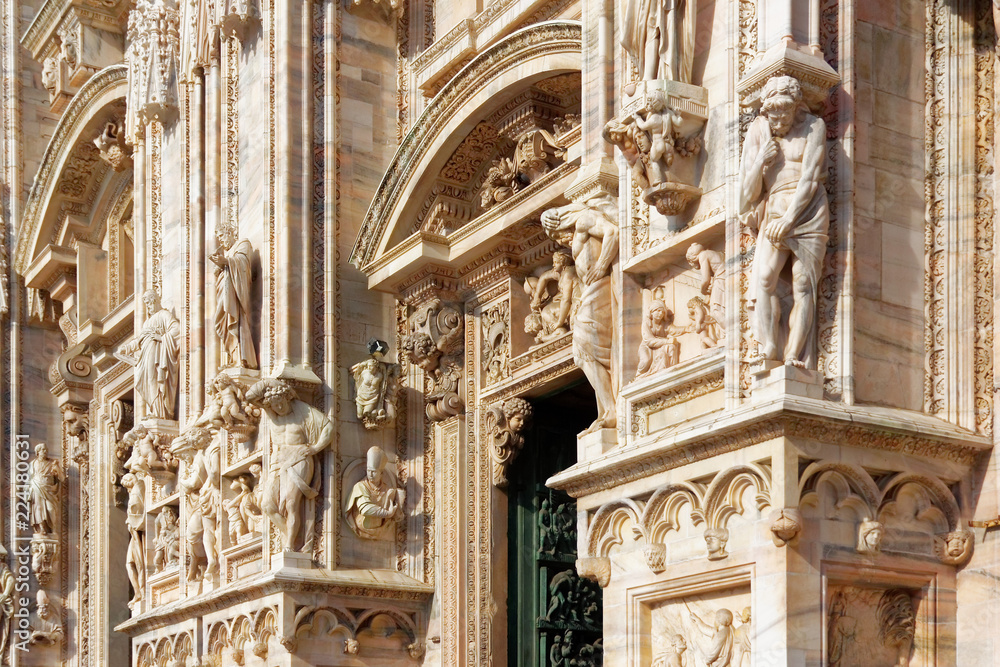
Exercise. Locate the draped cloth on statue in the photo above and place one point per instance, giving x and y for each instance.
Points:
(156, 370)
(292, 463)
(643, 20)
(593, 328)
(232, 310)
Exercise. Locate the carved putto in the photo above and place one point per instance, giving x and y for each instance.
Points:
(376, 383)
(297, 433)
(435, 344)
(47, 629)
(590, 230)
(233, 261)
(953, 548)
(155, 353)
(505, 423)
(243, 509)
(228, 408)
(783, 201)
(150, 453)
(554, 295)
(376, 502)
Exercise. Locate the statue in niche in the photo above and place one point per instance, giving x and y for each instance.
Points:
(841, 630)
(590, 230)
(720, 631)
(702, 323)
(135, 520)
(506, 422)
(870, 537)
(166, 546)
(660, 36)
(375, 503)
(48, 629)
(43, 495)
(711, 266)
(199, 480)
(660, 347)
(6, 601)
(297, 433)
(783, 200)
(897, 624)
(243, 510)
(155, 353)
(376, 383)
(233, 277)
(553, 296)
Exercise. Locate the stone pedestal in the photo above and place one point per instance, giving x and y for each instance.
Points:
(772, 379)
(594, 444)
(291, 560)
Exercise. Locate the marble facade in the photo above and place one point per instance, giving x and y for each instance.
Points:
(286, 291)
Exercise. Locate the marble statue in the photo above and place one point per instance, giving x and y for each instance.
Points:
(166, 546)
(554, 295)
(674, 655)
(660, 36)
(146, 458)
(660, 347)
(721, 647)
(506, 422)
(6, 601)
(782, 197)
(375, 384)
(46, 478)
(711, 266)
(48, 629)
(226, 404)
(155, 352)
(375, 503)
(296, 433)
(199, 481)
(135, 558)
(233, 278)
(870, 537)
(590, 230)
(634, 145)
(242, 510)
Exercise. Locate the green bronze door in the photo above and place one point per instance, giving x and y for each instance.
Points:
(554, 614)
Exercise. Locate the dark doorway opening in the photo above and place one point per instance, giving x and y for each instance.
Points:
(554, 614)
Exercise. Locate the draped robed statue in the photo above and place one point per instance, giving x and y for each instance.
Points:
(660, 35)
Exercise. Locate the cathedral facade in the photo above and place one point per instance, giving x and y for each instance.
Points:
(646, 333)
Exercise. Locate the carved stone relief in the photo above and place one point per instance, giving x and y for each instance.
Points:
(435, 343)
(47, 629)
(786, 525)
(376, 502)
(953, 548)
(166, 546)
(555, 295)
(376, 383)
(111, 143)
(870, 626)
(6, 602)
(870, 537)
(496, 342)
(243, 510)
(228, 409)
(505, 424)
(784, 154)
(716, 626)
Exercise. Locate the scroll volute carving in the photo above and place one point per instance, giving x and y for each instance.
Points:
(436, 344)
(505, 425)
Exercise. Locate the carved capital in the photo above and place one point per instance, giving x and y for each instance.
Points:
(597, 568)
(656, 557)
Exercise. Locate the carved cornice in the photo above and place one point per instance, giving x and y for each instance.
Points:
(802, 418)
(359, 585)
(532, 42)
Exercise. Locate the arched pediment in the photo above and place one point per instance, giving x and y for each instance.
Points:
(72, 179)
(440, 168)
